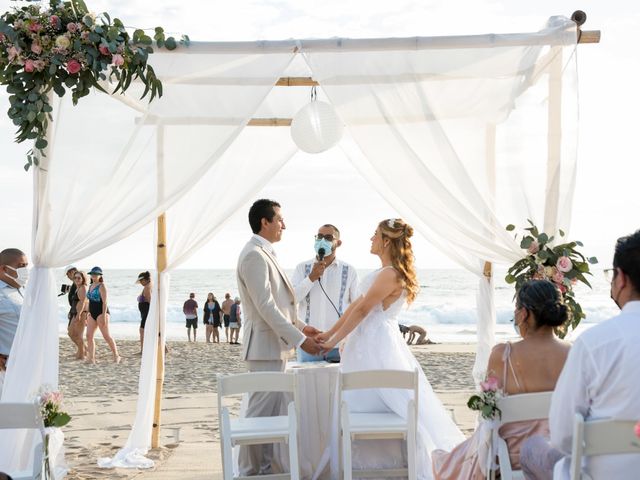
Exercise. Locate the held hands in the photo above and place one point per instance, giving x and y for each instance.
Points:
(310, 331)
(311, 346)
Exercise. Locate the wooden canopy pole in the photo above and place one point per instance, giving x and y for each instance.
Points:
(161, 263)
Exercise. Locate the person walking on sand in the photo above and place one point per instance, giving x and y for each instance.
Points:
(144, 302)
(211, 318)
(226, 314)
(99, 316)
(234, 322)
(190, 310)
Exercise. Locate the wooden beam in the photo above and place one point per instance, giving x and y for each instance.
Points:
(296, 82)
(589, 36)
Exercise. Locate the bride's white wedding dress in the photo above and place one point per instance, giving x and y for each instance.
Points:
(377, 344)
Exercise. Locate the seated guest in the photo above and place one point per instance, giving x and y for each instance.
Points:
(13, 277)
(599, 380)
(531, 365)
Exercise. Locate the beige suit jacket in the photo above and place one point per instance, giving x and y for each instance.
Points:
(271, 327)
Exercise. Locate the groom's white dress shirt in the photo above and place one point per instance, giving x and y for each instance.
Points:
(601, 379)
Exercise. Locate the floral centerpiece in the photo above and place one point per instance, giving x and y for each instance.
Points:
(486, 402)
(65, 46)
(562, 264)
(53, 417)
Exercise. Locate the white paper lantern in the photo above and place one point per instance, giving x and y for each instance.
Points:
(316, 127)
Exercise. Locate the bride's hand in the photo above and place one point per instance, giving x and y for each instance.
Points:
(328, 345)
(322, 337)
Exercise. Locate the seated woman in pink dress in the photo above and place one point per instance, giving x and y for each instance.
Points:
(531, 365)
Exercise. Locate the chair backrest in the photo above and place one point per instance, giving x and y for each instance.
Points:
(405, 379)
(601, 437)
(255, 382)
(525, 406)
(21, 415)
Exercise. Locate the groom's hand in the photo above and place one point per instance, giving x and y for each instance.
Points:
(310, 331)
(311, 346)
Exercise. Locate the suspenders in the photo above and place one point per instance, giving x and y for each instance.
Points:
(343, 289)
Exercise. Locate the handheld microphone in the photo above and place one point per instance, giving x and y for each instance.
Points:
(321, 253)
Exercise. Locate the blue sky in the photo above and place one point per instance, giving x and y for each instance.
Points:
(606, 204)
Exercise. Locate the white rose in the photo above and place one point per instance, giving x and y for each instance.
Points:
(63, 42)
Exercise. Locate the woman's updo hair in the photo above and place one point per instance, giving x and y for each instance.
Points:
(399, 232)
(544, 299)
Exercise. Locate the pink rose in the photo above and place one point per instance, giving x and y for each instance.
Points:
(39, 65)
(104, 50)
(72, 27)
(636, 429)
(28, 65)
(36, 48)
(2, 37)
(558, 278)
(73, 66)
(84, 35)
(564, 264)
(490, 385)
(54, 20)
(13, 53)
(35, 27)
(118, 60)
(562, 289)
(534, 247)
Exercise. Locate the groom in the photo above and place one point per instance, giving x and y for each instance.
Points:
(271, 326)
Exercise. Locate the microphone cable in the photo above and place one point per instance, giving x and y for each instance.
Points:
(328, 298)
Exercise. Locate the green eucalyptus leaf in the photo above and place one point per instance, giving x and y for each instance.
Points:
(561, 232)
(170, 43)
(593, 260)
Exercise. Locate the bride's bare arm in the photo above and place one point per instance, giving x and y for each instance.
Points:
(384, 285)
(324, 336)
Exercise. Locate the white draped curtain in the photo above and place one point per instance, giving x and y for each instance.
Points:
(462, 135)
(87, 198)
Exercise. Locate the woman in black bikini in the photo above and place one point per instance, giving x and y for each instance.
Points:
(78, 312)
(144, 302)
(97, 295)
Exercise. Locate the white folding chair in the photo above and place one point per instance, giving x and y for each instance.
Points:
(25, 416)
(378, 425)
(600, 437)
(258, 430)
(516, 408)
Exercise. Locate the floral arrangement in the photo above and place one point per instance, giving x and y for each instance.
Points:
(65, 47)
(562, 264)
(486, 402)
(50, 403)
(636, 432)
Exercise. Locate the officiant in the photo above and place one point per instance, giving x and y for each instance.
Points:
(324, 287)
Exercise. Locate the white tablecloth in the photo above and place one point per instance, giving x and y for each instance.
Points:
(316, 400)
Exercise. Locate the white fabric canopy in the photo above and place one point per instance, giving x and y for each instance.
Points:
(462, 135)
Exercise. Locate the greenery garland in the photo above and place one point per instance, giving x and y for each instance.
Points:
(67, 47)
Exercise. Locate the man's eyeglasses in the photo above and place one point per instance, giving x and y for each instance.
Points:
(328, 237)
(609, 273)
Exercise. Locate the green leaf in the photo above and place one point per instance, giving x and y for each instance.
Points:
(526, 242)
(170, 43)
(60, 420)
(510, 228)
(543, 238)
(593, 260)
(580, 244)
(561, 232)
(41, 144)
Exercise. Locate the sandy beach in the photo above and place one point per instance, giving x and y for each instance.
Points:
(101, 399)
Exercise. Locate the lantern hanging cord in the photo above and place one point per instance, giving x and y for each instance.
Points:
(314, 94)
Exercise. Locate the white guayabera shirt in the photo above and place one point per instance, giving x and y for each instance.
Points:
(339, 280)
(10, 306)
(601, 379)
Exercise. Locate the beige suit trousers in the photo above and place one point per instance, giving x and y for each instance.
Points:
(258, 459)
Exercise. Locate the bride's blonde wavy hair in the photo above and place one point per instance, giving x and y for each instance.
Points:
(399, 232)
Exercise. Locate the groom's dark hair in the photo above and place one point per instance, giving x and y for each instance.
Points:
(260, 209)
(627, 258)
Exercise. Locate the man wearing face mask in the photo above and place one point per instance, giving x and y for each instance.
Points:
(324, 287)
(13, 277)
(599, 380)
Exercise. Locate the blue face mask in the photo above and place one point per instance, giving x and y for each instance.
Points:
(324, 243)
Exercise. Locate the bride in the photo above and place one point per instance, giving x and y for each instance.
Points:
(374, 342)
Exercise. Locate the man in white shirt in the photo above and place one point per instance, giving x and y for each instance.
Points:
(324, 288)
(13, 276)
(600, 379)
